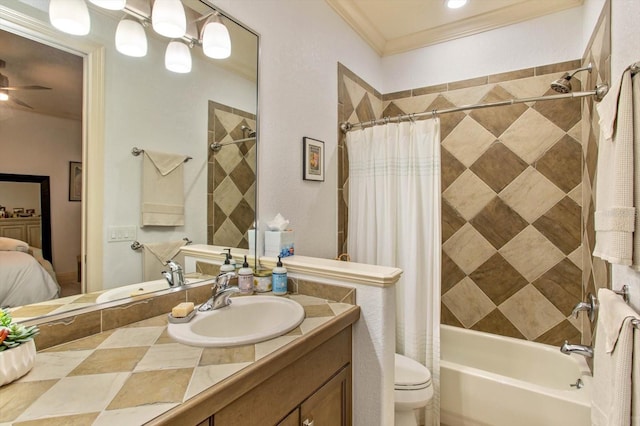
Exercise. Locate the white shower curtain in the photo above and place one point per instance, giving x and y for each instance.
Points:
(394, 220)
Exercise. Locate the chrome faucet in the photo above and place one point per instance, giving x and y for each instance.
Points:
(590, 307)
(221, 293)
(583, 350)
(175, 277)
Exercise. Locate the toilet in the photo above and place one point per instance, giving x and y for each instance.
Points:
(412, 389)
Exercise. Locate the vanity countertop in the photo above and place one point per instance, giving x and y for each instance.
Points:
(133, 374)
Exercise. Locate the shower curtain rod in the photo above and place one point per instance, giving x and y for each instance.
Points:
(598, 92)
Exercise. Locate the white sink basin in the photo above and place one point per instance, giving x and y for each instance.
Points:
(249, 319)
(137, 289)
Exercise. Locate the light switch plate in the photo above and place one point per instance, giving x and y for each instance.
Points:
(121, 233)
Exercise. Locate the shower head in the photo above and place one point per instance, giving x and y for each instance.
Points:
(251, 133)
(563, 84)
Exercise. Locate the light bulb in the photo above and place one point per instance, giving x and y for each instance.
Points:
(131, 39)
(177, 58)
(70, 16)
(455, 4)
(4, 96)
(110, 4)
(216, 42)
(168, 18)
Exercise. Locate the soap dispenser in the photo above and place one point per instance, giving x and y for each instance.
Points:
(232, 261)
(279, 275)
(227, 266)
(245, 278)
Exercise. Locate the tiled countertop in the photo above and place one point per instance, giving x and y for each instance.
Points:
(135, 373)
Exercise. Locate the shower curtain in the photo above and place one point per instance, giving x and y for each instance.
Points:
(394, 220)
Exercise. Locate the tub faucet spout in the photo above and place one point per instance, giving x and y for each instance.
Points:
(583, 350)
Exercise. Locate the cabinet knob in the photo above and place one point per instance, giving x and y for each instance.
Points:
(307, 422)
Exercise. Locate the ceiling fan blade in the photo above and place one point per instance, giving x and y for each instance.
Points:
(19, 102)
(33, 87)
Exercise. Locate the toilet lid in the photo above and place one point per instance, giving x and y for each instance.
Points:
(410, 374)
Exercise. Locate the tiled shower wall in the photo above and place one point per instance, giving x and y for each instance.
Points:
(511, 198)
(231, 180)
(595, 271)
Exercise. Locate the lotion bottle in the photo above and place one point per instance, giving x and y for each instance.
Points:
(279, 275)
(245, 278)
(232, 261)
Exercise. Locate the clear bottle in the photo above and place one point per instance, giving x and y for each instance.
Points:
(245, 278)
(279, 276)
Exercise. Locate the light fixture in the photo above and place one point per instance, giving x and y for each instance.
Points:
(131, 39)
(216, 42)
(168, 18)
(110, 4)
(4, 96)
(177, 57)
(455, 4)
(70, 16)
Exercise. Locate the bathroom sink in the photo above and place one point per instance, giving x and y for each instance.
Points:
(249, 319)
(137, 290)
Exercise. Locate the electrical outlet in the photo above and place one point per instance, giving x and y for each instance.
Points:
(121, 233)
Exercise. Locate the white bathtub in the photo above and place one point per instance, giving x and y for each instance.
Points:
(493, 380)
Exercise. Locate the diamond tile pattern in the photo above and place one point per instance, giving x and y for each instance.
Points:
(231, 205)
(512, 187)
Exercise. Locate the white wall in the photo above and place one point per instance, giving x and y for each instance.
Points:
(47, 148)
(545, 40)
(301, 43)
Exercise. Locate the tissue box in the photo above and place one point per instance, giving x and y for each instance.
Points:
(251, 236)
(278, 243)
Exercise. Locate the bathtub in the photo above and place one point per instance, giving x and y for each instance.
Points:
(486, 379)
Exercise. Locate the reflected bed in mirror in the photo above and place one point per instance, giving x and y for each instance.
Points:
(211, 104)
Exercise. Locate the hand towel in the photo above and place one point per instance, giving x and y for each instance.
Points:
(618, 175)
(613, 360)
(162, 189)
(156, 256)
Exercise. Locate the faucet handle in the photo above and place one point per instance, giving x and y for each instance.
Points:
(222, 280)
(591, 307)
(174, 266)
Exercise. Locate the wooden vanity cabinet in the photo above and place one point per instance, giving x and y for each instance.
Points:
(315, 388)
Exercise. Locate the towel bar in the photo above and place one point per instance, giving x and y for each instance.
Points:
(624, 292)
(137, 246)
(137, 151)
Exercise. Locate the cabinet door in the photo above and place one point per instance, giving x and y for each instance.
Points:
(331, 404)
(292, 419)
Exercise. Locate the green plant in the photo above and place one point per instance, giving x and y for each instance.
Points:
(14, 334)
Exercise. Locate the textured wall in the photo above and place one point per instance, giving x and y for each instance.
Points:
(511, 200)
(231, 181)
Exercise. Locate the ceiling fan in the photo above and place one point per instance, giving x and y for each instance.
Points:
(5, 89)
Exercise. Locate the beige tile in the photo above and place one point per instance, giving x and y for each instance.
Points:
(468, 248)
(528, 144)
(467, 302)
(81, 394)
(55, 365)
(468, 141)
(152, 387)
(313, 311)
(207, 375)
(531, 312)
(354, 91)
(576, 257)
(415, 104)
(227, 195)
(19, 396)
(528, 245)
(531, 194)
(265, 348)
(527, 87)
(61, 331)
(72, 420)
(133, 336)
(468, 194)
(468, 95)
(91, 342)
(339, 308)
(170, 355)
(217, 356)
(110, 361)
(576, 194)
(311, 323)
(132, 416)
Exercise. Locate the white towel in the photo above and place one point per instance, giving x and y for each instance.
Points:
(162, 189)
(618, 178)
(156, 256)
(613, 361)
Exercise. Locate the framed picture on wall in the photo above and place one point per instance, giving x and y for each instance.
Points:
(312, 159)
(75, 181)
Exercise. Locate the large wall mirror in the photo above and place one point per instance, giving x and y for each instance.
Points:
(126, 102)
